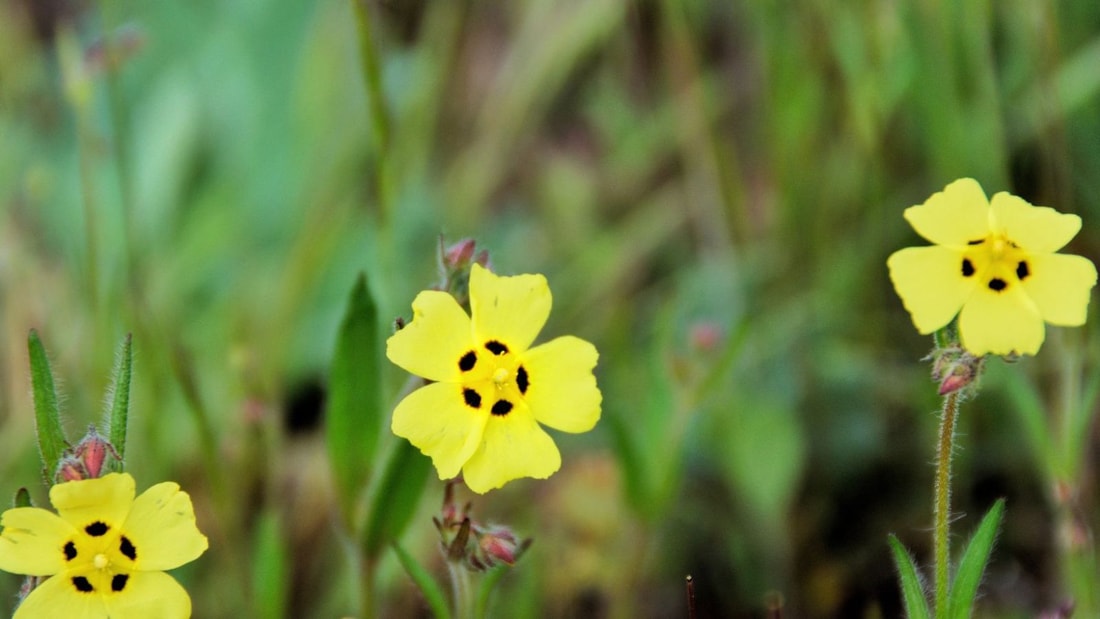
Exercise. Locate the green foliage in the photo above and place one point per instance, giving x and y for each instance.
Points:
(222, 180)
(22, 498)
(354, 414)
(912, 590)
(964, 585)
(47, 412)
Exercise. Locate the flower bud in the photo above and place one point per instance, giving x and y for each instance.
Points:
(458, 255)
(499, 544)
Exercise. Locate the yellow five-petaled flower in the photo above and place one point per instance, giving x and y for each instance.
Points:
(491, 389)
(104, 551)
(993, 264)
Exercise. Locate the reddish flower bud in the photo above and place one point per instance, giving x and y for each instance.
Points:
(499, 544)
(458, 255)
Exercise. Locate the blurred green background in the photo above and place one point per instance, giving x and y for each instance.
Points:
(711, 188)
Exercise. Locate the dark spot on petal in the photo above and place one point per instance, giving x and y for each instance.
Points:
(1021, 270)
(468, 361)
(521, 379)
(968, 267)
(118, 582)
(96, 529)
(977, 242)
(502, 407)
(127, 548)
(496, 347)
(997, 284)
(82, 584)
(70, 551)
(473, 399)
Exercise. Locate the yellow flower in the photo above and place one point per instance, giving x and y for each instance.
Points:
(993, 264)
(104, 550)
(491, 389)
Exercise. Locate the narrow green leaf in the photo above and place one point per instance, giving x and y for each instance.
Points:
(270, 568)
(353, 419)
(433, 593)
(22, 498)
(47, 413)
(912, 592)
(396, 497)
(973, 562)
(120, 397)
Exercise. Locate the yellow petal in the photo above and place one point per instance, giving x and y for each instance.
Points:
(58, 598)
(511, 310)
(562, 391)
(150, 594)
(33, 541)
(161, 527)
(1034, 228)
(437, 420)
(106, 499)
(513, 446)
(1060, 285)
(1001, 322)
(931, 284)
(432, 344)
(954, 217)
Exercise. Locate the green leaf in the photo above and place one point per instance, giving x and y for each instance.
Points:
(120, 398)
(270, 568)
(22, 498)
(396, 497)
(47, 413)
(912, 592)
(973, 562)
(433, 593)
(353, 419)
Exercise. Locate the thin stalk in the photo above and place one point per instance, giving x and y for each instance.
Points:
(366, 585)
(461, 589)
(379, 115)
(942, 505)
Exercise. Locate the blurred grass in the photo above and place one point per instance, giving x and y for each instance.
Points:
(675, 168)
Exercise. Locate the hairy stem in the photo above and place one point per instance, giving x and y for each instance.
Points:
(942, 504)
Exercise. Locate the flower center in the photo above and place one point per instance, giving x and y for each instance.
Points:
(492, 379)
(996, 262)
(100, 561)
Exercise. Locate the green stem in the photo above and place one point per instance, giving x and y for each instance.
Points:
(379, 115)
(942, 505)
(460, 585)
(366, 586)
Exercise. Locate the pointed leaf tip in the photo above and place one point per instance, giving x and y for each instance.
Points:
(47, 412)
(912, 591)
(972, 565)
(120, 397)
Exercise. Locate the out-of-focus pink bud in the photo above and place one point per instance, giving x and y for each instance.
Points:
(499, 544)
(459, 254)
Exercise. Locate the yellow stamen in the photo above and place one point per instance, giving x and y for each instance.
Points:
(100, 561)
(500, 376)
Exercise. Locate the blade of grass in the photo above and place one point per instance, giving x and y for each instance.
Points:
(433, 593)
(270, 568)
(47, 412)
(973, 562)
(912, 593)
